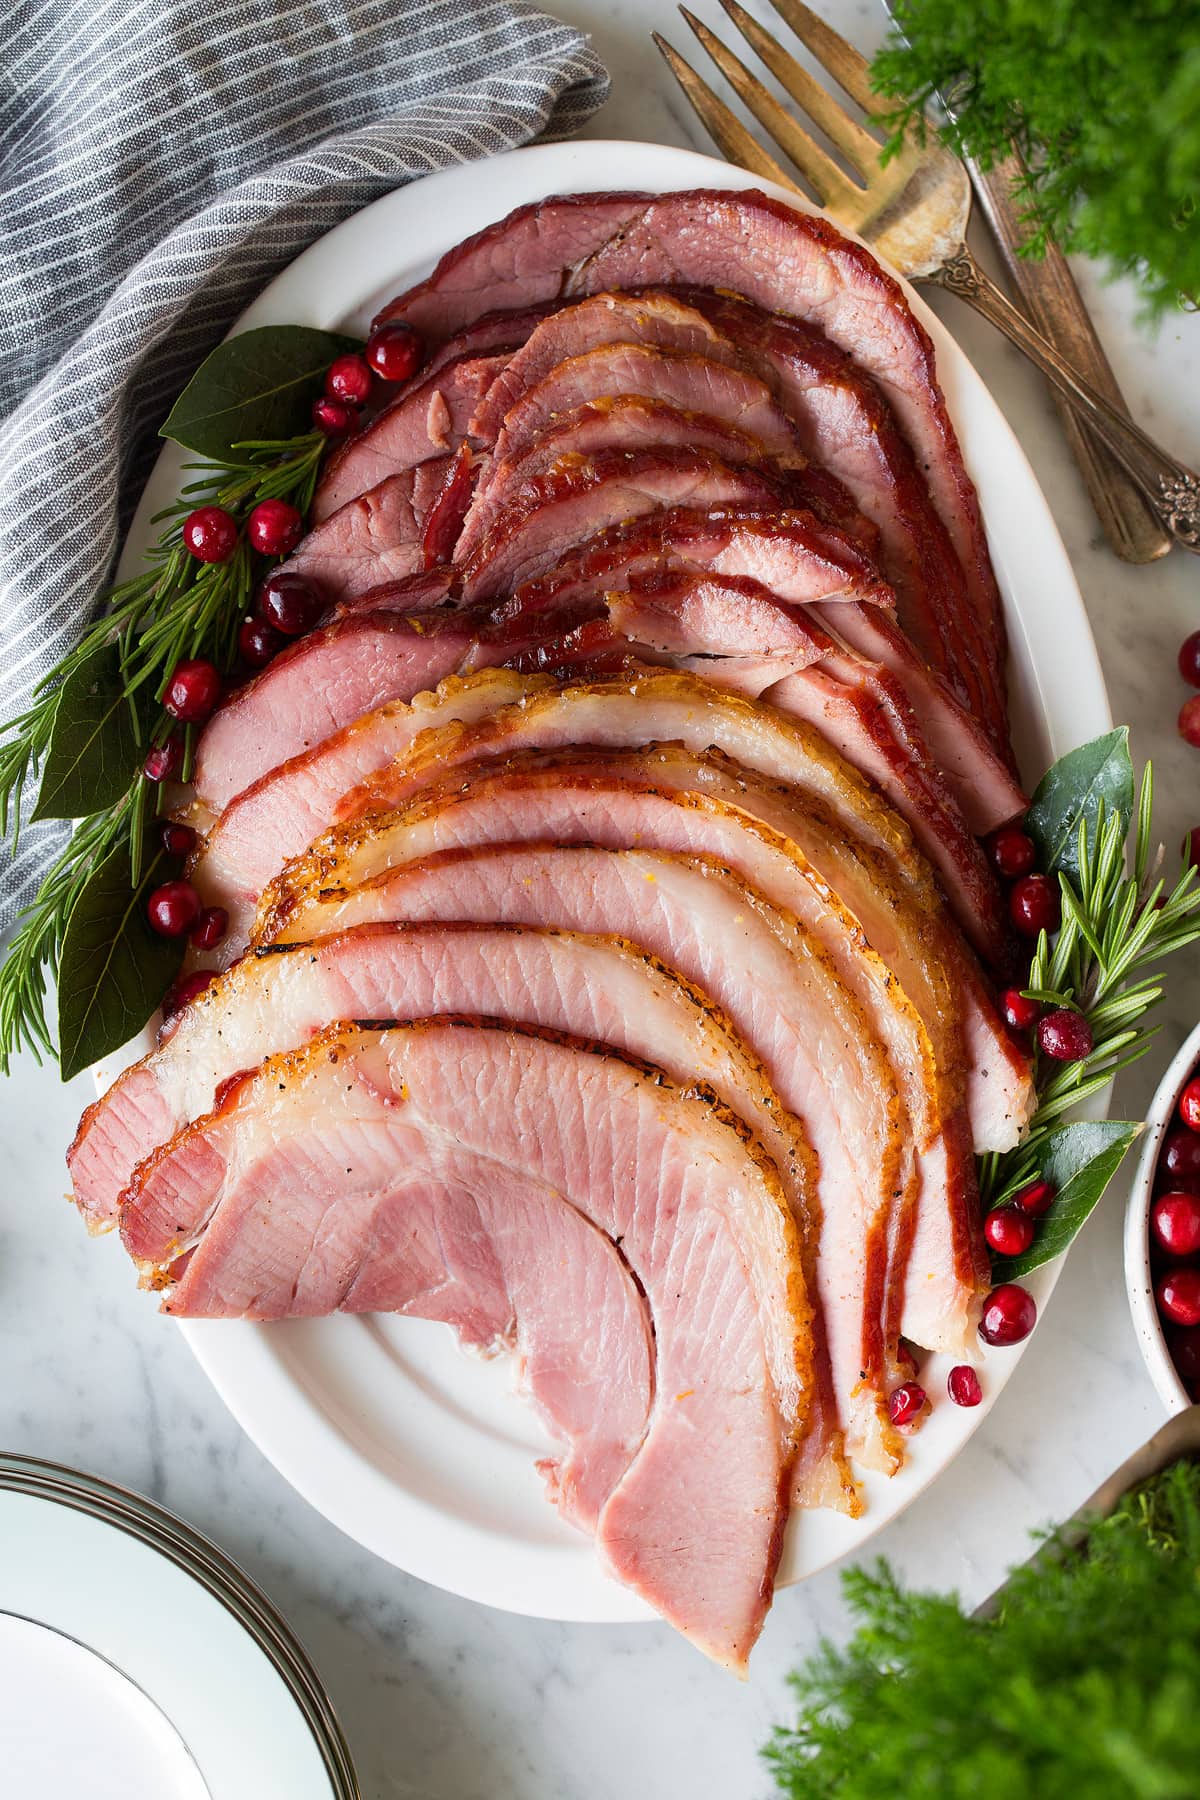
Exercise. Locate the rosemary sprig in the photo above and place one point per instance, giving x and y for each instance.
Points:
(1116, 925)
(174, 609)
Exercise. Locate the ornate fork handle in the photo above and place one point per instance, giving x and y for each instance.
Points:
(1172, 489)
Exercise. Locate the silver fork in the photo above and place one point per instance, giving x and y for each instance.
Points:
(913, 211)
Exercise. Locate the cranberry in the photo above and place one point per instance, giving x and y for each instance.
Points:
(173, 908)
(1065, 1036)
(259, 642)
(395, 352)
(1175, 1222)
(289, 603)
(1178, 1296)
(1009, 1315)
(1037, 1198)
(1013, 852)
(275, 528)
(210, 928)
(1189, 1104)
(334, 417)
(905, 1403)
(1019, 1013)
(1035, 904)
(1009, 1231)
(350, 380)
(182, 992)
(193, 690)
(1189, 659)
(1185, 1352)
(1180, 1158)
(177, 839)
(210, 533)
(1189, 721)
(164, 761)
(962, 1385)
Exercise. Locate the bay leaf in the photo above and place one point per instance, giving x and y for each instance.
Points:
(93, 750)
(113, 970)
(1080, 1159)
(260, 384)
(1072, 789)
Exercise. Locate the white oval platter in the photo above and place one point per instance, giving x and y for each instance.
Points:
(414, 1449)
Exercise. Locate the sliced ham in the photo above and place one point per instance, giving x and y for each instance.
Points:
(676, 803)
(373, 539)
(897, 900)
(305, 1192)
(318, 685)
(575, 499)
(429, 420)
(783, 259)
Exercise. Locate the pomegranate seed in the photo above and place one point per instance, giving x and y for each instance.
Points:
(350, 380)
(1180, 1158)
(259, 643)
(1013, 852)
(1189, 659)
(1189, 1104)
(210, 928)
(173, 908)
(211, 534)
(193, 690)
(1175, 1222)
(177, 840)
(274, 527)
(1009, 1315)
(334, 417)
(1189, 721)
(1019, 1013)
(164, 761)
(395, 352)
(182, 992)
(962, 1385)
(1178, 1296)
(1065, 1036)
(1037, 1198)
(1009, 1231)
(289, 603)
(1184, 1346)
(904, 1403)
(1035, 904)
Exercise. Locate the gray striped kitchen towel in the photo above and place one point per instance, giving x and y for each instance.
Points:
(160, 160)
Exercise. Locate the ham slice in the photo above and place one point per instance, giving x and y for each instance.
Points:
(783, 259)
(683, 805)
(896, 901)
(575, 499)
(373, 539)
(305, 1191)
(429, 420)
(316, 686)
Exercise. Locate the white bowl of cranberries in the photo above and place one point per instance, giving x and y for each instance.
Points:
(1162, 1234)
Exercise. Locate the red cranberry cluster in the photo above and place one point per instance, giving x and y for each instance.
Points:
(1035, 905)
(1175, 1237)
(394, 353)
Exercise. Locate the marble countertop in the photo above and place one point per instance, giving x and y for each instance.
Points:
(450, 1701)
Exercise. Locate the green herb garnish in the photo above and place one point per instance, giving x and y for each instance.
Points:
(1102, 99)
(1120, 919)
(1084, 1684)
(94, 716)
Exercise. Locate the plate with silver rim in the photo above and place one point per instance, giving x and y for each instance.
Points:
(138, 1662)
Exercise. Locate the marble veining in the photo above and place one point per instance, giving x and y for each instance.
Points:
(448, 1701)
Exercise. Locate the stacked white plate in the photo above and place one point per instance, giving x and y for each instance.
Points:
(137, 1662)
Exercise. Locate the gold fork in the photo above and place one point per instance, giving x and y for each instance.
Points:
(913, 211)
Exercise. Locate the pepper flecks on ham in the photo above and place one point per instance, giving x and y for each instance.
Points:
(306, 1185)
